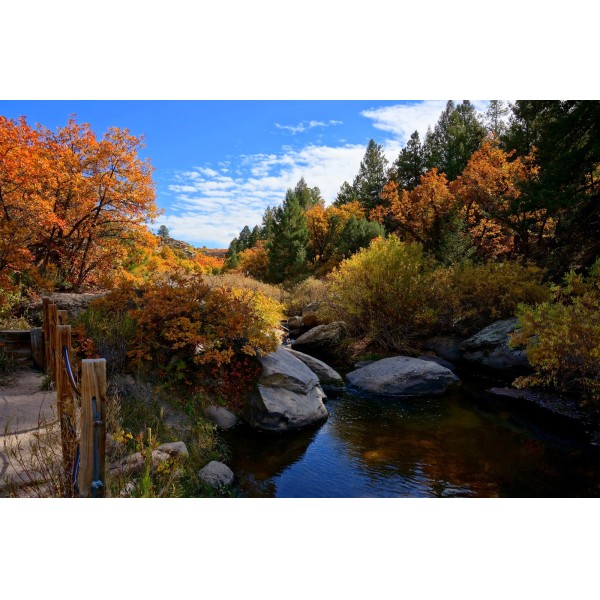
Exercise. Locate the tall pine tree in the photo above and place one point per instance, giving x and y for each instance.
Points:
(372, 176)
(287, 248)
(406, 171)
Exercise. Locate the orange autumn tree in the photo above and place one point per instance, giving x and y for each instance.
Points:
(325, 226)
(24, 208)
(417, 215)
(72, 206)
(103, 197)
(490, 200)
(254, 261)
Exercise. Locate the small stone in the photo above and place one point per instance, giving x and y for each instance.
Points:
(175, 449)
(216, 474)
(221, 417)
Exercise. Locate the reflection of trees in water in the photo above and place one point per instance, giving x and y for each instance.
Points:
(453, 449)
(257, 458)
(440, 447)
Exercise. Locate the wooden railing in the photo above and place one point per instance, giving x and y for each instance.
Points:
(84, 453)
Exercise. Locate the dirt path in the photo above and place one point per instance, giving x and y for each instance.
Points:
(23, 407)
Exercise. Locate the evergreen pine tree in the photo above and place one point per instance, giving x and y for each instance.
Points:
(287, 248)
(410, 164)
(372, 176)
(346, 194)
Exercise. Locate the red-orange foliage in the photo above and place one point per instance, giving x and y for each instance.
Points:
(490, 199)
(416, 215)
(70, 203)
(254, 261)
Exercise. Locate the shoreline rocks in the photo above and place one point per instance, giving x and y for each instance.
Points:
(402, 376)
(330, 380)
(216, 475)
(489, 347)
(287, 396)
(320, 340)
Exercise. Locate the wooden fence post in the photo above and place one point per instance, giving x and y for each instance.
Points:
(62, 317)
(65, 400)
(52, 323)
(46, 326)
(93, 430)
(37, 347)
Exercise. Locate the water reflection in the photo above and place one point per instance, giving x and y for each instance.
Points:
(450, 446)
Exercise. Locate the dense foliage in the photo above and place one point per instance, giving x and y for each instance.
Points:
(392, 293)
(562, 336)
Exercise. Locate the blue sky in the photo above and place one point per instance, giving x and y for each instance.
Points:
(219, 164)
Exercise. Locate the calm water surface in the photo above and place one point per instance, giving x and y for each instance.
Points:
(457, 445)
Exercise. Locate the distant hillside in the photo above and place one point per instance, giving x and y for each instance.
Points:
(188, 249)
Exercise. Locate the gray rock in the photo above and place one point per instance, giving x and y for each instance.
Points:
(74, 304)
(446, 347)
(279, 409)
(320, 339)
(490, 348)
(288, 395)
(439, 361)
(328, 377)
(133, 464)
(402, 376)
(224, 419)
(174, 449)
(216, 474)
(281, 369)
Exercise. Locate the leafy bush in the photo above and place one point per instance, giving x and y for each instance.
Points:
(184, 330)
(481, 293)
(562, 337)
(387, 293)
(310, 292)
(392, 293)
(242, 282)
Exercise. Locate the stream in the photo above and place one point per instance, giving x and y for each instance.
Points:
(463, 444)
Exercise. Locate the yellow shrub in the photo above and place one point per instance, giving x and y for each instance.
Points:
(481, 293)
(311, 291)
(387, 293)
(562, 337)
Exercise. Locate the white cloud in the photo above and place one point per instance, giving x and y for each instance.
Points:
(403, 119)
(211, 207)
(306, 125)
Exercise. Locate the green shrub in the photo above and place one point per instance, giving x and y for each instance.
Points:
(562, 337)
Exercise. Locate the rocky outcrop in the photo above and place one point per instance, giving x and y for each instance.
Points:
(330, 380)
(74, 304)
(288, 395)
(402, 376)
(216, 475)
(447, 347)
(320, 340)
(489, 347)
(221, 417)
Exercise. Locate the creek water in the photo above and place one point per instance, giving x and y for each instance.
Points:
(462, 444)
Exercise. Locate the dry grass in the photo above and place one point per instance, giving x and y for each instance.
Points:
(238, 281)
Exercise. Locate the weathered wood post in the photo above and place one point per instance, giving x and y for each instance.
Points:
(52, 323)
(46, 326)
(37, 347)
(65, 401)
(63, 317)
(93, 429)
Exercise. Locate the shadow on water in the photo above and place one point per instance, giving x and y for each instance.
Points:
(461, 444)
